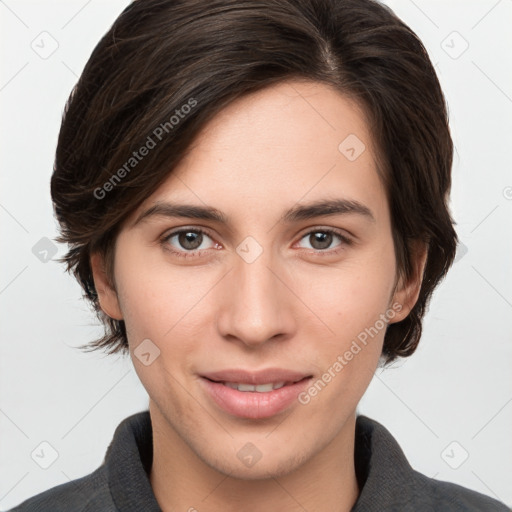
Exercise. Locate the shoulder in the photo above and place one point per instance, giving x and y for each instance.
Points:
(440, 495)
(86, 494)
(389, 483)
(120, 483)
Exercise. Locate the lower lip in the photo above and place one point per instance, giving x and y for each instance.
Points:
(251, 404)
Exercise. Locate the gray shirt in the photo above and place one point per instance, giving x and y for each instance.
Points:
(386, 480)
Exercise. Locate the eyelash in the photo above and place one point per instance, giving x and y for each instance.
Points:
(196, 253)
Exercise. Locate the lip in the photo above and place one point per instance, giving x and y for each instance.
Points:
(252, 404)
(255, 378)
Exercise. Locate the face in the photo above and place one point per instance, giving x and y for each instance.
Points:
(267, 284)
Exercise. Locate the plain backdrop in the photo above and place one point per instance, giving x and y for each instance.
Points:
(449, 406)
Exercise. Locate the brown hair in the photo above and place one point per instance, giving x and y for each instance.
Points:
(163, 55)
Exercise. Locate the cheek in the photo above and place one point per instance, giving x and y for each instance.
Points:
(353, 302)
(355, 310)
(170, 309)
(160, 300)
(160, 307)
(155, 297)
(351, 297)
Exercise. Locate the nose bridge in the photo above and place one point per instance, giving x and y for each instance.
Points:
(257, 308)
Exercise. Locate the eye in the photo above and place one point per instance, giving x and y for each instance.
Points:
(189, 242)
(322, 239)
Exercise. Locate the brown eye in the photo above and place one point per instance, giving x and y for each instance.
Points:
(322, 239)
(185, 241)
(190, 239)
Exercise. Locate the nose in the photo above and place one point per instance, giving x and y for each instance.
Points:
(258, 305)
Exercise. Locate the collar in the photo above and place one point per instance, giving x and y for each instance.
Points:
(386, 479)
(128, 464)
(381, 467)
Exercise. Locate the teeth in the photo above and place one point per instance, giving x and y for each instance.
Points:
(261, 388)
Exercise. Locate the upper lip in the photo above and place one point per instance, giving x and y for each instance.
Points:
(256, 378)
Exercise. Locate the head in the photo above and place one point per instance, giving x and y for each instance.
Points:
(256, 110)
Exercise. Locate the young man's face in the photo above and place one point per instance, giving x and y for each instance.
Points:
(259, 292)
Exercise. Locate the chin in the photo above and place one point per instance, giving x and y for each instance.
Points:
(259, 470)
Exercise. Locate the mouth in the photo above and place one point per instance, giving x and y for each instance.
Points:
(254, 394)
(258, 388)
(262, 388)
(265, 377)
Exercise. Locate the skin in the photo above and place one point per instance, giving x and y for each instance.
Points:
(298, 306)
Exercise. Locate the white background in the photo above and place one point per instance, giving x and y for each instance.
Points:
(457, 387)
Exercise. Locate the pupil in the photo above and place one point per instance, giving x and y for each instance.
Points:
(323, 238)
(189, 240)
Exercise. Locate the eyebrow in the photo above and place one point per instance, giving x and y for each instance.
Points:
(325, 207)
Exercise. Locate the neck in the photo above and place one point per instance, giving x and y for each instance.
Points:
(183, 481)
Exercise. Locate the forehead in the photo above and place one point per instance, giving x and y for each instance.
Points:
(284, 113)
(271, 149)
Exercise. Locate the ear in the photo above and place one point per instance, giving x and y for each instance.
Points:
(107, 296)
(406, 293)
